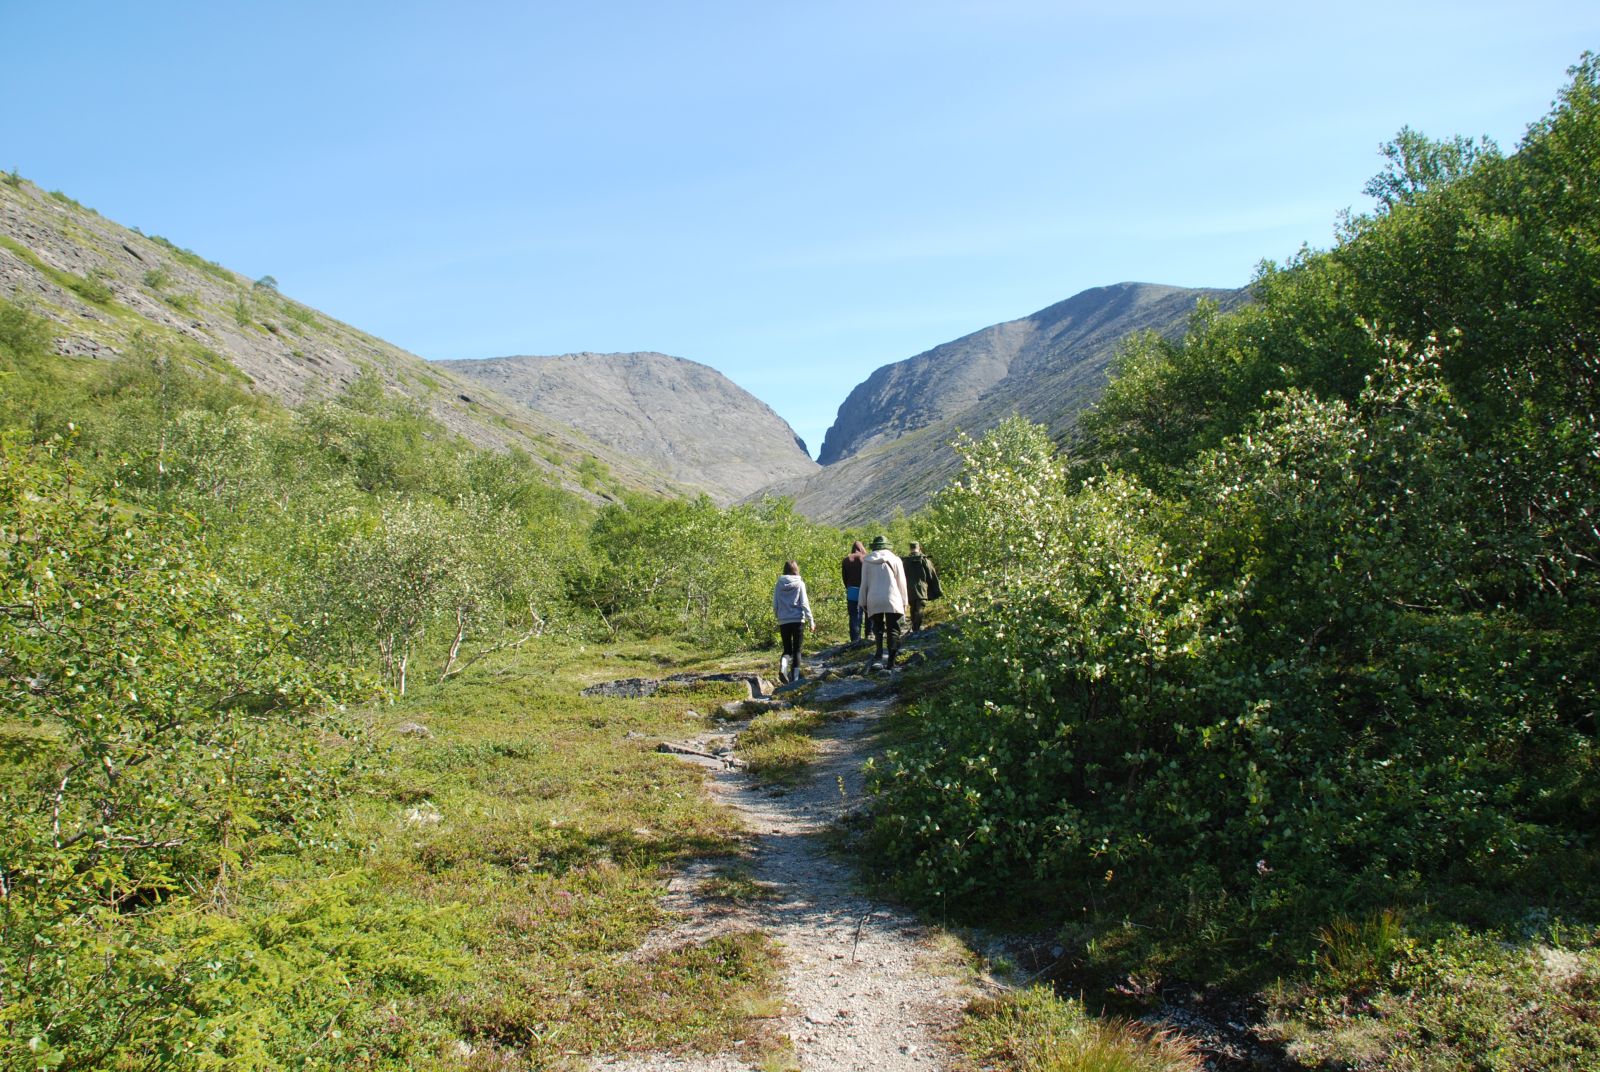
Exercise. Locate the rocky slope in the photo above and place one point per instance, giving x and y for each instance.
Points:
(103, 283)
(682, 418)
(889, 448)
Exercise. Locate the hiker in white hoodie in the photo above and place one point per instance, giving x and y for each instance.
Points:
(793, 609)
(883, 597)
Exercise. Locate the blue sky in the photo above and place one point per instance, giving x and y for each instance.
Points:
(793, 193)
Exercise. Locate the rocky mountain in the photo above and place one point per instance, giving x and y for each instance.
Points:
(103, 284)
(654, 423)
(682, 418)
(889, 448)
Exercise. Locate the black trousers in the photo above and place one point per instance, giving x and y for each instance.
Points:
(792, 633)
(917, 606)
(886, 630)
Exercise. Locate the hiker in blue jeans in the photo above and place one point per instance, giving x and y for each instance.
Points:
(850, 572)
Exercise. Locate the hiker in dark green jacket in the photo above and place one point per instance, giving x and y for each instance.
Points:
(922, 583)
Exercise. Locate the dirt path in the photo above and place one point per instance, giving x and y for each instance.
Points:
(864, 988)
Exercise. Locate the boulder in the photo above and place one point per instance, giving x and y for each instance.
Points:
(843, 689)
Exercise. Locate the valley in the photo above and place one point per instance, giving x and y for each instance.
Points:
(359, 711)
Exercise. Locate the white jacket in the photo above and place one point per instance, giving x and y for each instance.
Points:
(883, 584)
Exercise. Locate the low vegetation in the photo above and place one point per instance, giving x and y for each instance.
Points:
(1285, 670)
(222, 842)
(1279, 681)
(1033, 1030)
(778, 747)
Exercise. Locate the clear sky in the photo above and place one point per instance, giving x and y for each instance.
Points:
(791, 192)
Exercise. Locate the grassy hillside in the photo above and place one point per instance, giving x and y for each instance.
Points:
(108, 288)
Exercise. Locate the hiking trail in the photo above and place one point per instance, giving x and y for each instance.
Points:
(865, 985)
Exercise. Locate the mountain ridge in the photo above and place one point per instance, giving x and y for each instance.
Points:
(947, 379)
(889, 449)
(104, 285)
(654, 406)
(642, 415)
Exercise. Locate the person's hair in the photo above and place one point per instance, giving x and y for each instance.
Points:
(915, 546)
(792, 568)
(856, 547)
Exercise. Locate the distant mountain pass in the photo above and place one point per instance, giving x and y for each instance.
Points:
(684, 419)
(889, 447)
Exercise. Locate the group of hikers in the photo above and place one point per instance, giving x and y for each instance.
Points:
(880, 588)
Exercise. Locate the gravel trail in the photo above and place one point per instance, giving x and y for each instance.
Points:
(863, 989)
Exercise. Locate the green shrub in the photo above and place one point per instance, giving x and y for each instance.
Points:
(95, 287)
(185, 747)
(691, 568)
(1308, 626)
(183, 302)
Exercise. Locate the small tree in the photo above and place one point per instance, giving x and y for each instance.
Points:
(400, 574)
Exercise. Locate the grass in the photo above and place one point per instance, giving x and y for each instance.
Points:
(484, 897)
(57, 195)
(735, 884)
(195, 261)
(1456, 1000)
(778, 747)
(1035, 1031)
(183, 301)
(1356, 954)
(543, 833)
(94, 287)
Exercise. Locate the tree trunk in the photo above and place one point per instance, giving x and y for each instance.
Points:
(455, 643)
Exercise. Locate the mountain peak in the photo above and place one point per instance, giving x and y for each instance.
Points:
(889, 448)
(900, 398)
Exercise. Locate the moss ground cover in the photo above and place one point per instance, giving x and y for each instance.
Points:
(1461, 999)
(478, 902)
(540, 829)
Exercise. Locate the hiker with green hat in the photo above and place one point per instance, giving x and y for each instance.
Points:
(883, 598)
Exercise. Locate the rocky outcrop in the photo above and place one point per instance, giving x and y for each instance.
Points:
(890, 450)
(633, 688)
(682, 418)
(1079, 334)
